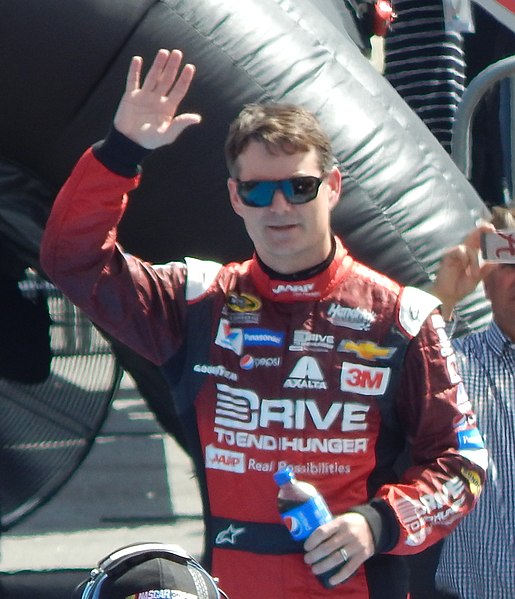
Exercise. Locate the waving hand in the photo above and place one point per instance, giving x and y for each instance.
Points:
(147, 111)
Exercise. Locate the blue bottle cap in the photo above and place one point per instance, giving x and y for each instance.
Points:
(284, 476)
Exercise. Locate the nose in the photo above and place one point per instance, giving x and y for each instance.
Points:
(279, 202)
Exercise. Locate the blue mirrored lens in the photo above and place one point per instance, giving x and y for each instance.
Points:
(297, 190)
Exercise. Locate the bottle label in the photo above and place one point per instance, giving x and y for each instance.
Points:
(302, 520)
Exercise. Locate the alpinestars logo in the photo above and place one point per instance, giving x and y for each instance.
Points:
(306, 375)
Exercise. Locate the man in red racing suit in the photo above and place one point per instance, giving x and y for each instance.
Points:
(326, 366)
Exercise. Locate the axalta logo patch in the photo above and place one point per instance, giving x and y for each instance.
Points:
(364, 380)
(368, 350)
(223, 459)
(357, 319)
(306, 374)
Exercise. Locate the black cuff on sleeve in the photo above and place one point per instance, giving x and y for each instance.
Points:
(382, 522)
(120, 154)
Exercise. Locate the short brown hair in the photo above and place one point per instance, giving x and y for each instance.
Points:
(503, 218)
(284, 128)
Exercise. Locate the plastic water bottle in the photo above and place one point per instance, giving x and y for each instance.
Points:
(302, 510)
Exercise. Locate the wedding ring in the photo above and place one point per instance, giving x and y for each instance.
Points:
(344, 554)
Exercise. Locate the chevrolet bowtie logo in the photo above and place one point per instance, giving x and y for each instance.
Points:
(368, 350)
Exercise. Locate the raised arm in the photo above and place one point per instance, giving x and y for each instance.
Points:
(147, 111)
(460, 271)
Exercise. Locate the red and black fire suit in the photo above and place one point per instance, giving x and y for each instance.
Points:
(337, 374)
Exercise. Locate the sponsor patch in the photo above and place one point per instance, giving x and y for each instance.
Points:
(242, 410)
(462, 399)
(446, 348)
(368, 350)
(229, 535)
(224, 459)
(293, 289)
(306, 374)
(236, 338)
(229, 338)
(244, 302)
(303, 340)
(356, 319)
(218, 370)
(470, 439)
(262, 337)
(364, 380)
(452, 369)
(474, 481)
(249, 362)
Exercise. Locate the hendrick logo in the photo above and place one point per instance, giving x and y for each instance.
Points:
(357, 319)
(306, 374)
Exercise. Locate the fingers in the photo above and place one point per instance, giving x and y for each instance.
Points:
(346, 542)
(134, 74)
(164, 79)
(473, 239)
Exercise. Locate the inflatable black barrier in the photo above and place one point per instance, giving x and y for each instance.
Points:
(63, 67)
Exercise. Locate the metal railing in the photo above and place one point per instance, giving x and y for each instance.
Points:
(461, 146)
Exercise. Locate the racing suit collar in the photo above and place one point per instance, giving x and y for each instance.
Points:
(311, 288)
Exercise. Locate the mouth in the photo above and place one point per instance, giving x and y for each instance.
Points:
(282, 227)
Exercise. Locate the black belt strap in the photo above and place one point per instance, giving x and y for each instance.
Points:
(256, 537)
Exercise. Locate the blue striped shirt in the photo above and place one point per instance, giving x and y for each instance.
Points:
(478, 558)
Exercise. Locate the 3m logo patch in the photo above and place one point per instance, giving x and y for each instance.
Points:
(364, 380)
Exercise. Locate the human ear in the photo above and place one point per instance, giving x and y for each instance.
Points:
(334, 181)
(236, 203)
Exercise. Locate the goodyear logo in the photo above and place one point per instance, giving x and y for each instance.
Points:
(368, 350)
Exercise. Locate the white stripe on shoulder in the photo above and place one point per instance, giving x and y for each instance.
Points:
(415, 307)
(200, 276)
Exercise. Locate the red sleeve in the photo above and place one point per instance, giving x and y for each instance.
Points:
(118, 292)
(447, 453)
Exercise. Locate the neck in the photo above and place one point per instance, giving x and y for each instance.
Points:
(303, 274)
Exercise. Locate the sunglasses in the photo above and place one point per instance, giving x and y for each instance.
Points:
(297, 190)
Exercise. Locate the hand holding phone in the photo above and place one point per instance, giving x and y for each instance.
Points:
(498, 246)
